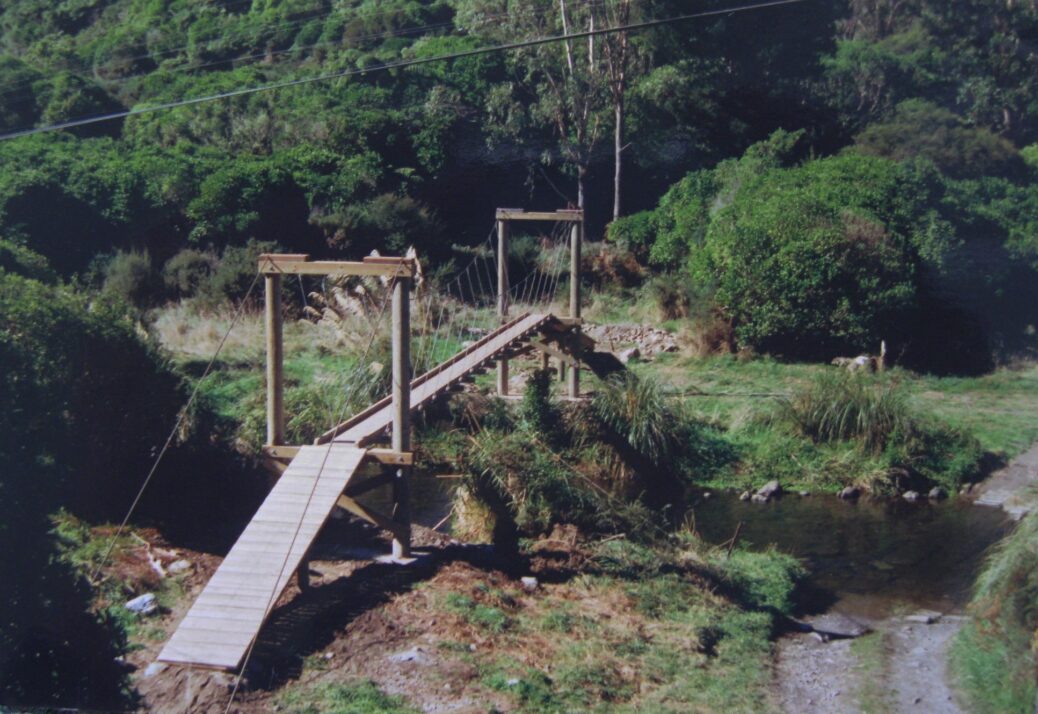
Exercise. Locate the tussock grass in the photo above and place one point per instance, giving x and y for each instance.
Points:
(995, 656)
(362, 697)
(844, 407)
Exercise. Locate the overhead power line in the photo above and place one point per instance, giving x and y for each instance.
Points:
(73, 123)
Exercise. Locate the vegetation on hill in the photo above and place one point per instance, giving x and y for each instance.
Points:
(802, 181)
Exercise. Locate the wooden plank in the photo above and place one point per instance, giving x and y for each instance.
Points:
(513, 214)
(234, 604)
(337, 269)
(362, 428)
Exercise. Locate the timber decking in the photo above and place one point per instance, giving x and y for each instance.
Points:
(371, 422)
(227, 616)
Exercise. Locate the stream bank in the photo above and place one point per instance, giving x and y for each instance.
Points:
(898, 573)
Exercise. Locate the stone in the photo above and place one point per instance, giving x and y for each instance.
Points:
(850, 493)
(415, 654)
(179, 566)
(840, 626)
(745, 496)
(768, 491)
(529, 583)
(629, 354)
(707, 495)
(153, 669)
(937, 494)
(924, 617)
(143, 605)
(966, 490)
(758, 498)
(910, 496)
(805, 494)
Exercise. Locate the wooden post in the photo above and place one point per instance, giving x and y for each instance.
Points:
(402, 413)
(502, 298)
(574, 301)
(275, 362)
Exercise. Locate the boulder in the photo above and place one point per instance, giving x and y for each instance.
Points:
(529, 583)
(850, 493)
(768, 491)
(937, 494)
(910, 496)
(145, 604)
(839, 626)
(745, 496)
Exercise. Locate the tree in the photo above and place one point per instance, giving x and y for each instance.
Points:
(557, 88)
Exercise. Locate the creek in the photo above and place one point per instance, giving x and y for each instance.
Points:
(870, 557)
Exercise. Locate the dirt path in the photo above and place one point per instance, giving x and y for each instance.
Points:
(899, 667)
(1012, 488)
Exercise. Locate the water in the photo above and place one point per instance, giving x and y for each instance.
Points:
(869, 557)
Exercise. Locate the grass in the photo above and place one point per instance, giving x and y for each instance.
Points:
(995, 656)
(871, 653)
(353, 698)
(733, 393)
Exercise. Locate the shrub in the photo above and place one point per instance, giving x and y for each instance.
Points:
(20, 260)
(130, 277)
(635, 233)
(187, 272)
(537, 410)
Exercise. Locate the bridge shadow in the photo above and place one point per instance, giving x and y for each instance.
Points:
(312, 620)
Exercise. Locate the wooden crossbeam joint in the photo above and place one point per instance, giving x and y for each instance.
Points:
(382, 456)
(371, 516)
(519, 214)
(300, 264)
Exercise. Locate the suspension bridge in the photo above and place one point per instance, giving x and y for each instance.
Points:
(221, 627)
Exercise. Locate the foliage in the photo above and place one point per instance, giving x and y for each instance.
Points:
(353, 698)
(131, 277)
(995, 654)
(921, 129)
(83, 405)
(875, 415)
(842, 407)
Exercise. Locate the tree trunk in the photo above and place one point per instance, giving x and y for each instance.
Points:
(581, 181)
(618, 148)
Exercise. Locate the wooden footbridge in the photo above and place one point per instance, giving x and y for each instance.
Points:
(220, 628)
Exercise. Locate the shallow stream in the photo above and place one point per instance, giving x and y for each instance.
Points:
(871, 557)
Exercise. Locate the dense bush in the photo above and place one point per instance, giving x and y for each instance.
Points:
(84, 404)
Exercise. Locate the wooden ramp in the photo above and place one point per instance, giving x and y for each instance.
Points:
(227, 616)
(374, 420)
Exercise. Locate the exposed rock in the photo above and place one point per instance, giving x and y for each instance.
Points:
(179, 566)
(910, 496)
(143, 605)
(937, 494)
(835, 625)
(707, 495)
(768, 491)
(805, 494)
(850, 493)
(924, 617)
(745, 496)
(966, 490)
(415, 654)
(529, 583)
(627, 355)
